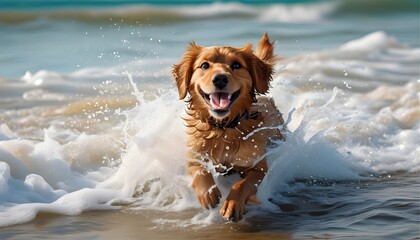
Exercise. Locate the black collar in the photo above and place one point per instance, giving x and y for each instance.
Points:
(236, 121)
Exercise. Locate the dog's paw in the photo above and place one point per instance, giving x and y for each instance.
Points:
(208, 194)
(209, 198)
(232, 210)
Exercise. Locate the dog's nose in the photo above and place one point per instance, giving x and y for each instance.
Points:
(220, 81)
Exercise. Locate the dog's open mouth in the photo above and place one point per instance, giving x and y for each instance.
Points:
(220, 101)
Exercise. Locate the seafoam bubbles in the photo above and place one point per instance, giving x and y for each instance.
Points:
(371, 43)
(297, 12)
(38, 176)
(369, 127)
(4, 177)
(307, 152)
(384, 134)
(359, 65)
(37, 184)
(153, 166)
(41, 77)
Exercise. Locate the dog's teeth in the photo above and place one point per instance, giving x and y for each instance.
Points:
(230, 95)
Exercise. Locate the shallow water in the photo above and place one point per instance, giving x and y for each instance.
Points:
(355, 210)
(90, 120)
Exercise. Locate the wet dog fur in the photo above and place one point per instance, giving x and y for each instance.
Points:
(229, 122)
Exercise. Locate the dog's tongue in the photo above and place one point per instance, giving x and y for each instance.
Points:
(219, 101)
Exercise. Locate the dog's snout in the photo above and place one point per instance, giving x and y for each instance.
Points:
(220, 81)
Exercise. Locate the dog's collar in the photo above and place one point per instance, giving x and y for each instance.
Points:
(236, 121)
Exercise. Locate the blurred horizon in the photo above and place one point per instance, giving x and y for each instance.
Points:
(107, 33)
(39, 4)
(408, 5)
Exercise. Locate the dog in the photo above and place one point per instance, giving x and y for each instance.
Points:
(229, 121)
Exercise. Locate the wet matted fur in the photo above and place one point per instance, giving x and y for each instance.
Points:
(229, 123)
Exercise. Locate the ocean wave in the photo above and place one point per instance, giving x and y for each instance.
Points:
(165, 14)
(341, 135)
(297, 12)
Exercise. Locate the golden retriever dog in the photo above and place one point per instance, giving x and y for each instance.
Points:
(229, 123)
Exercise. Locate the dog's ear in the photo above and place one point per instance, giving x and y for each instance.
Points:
(183, 71)
(265, 49)
(261, 73)
(260, 69)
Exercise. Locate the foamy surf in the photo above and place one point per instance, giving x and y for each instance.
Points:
(354, 121)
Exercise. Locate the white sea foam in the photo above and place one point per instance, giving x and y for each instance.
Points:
(139, 162)
(298, 13)
(271, 13)
(370, 43)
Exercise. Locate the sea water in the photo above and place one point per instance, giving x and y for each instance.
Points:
(90, 117)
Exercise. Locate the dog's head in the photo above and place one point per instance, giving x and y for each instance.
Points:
(223, 81)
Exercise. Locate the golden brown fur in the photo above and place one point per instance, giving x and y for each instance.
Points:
(228, 122)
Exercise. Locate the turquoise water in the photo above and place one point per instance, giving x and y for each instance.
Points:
(76, 134)
(35, 40)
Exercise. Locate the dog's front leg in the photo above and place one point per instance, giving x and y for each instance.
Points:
(208, 194)
(234, 205)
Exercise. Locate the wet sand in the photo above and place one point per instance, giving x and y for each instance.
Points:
(129, 225)
(387, 209)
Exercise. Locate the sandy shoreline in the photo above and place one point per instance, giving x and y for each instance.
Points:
(128, 225)
(347, 210)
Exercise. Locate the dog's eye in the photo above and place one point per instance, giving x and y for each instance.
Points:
(205, 65)
(235, 65)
